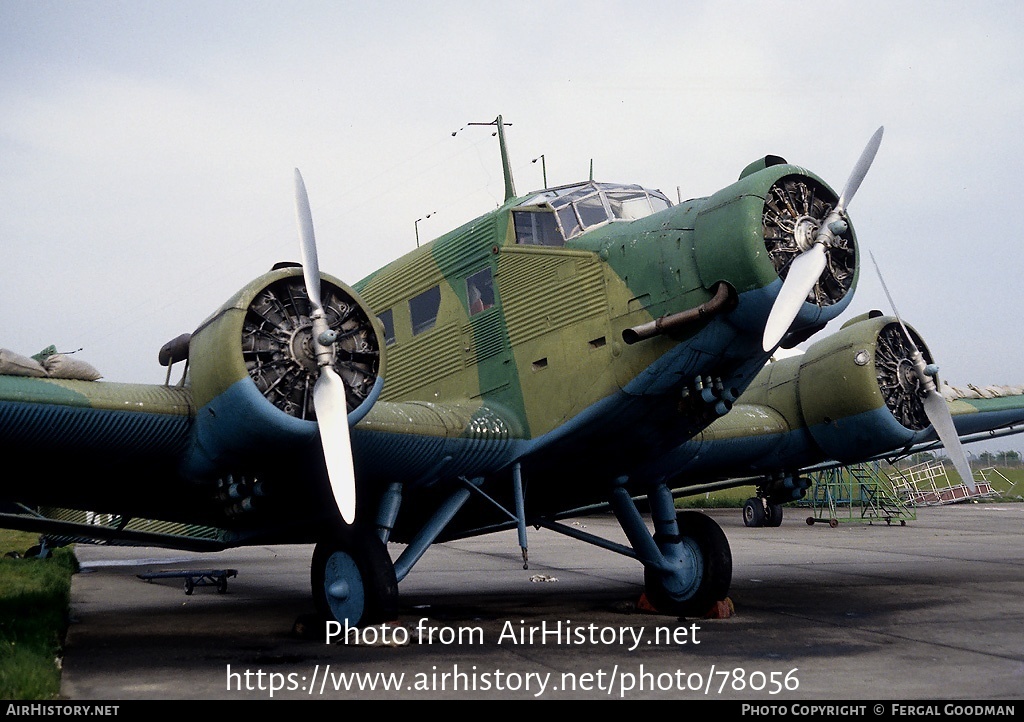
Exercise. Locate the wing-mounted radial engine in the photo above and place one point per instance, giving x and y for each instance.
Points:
(253, 368)
(277, 344)
(855, 394)
(859, 390)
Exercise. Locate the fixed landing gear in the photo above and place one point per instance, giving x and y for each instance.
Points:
(687, 561)
(753, 512)
(353, 578)
(705, 543)
(759, 512)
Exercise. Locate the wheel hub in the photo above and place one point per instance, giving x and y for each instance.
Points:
(343, 585)
(339, 590)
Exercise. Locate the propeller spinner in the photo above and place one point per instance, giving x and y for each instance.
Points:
(814, 239)
(329, 391)
(935, 407)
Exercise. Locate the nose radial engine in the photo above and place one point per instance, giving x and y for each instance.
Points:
(815, 241)
(329, 399)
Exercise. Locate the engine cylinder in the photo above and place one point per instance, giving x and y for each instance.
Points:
(252, 368)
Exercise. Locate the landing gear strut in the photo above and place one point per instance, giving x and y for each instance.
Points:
(705, 542)
(687, 562)
(765, 509)
(353, 578)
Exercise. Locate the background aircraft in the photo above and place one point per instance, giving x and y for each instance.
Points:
(579, 346)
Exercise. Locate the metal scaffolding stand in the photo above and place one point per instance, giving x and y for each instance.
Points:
(861, 493)
(927, 484)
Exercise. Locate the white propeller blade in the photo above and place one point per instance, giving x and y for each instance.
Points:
(804, 272)
(806, 268)
(937, 411)
(935, 407)
(329, 399)
(332, 415)
(307, 242)
(860, 170)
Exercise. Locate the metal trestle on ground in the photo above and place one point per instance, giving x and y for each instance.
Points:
(861, 493)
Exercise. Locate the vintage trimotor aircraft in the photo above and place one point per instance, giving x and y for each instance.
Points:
(579, 346)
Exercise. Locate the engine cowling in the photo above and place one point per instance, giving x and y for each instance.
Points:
(771, 212)
(252, 369)
(858, 392)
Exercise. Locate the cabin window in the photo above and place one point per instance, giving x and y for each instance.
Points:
(537, 228)
(480, 291)
(388, 320)
(423, 310)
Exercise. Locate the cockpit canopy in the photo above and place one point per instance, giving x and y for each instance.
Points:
(552, 217)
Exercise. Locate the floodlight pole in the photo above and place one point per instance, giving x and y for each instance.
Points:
(416, 225)
(543, 168)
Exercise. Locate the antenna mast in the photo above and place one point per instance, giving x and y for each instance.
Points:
(506, 166)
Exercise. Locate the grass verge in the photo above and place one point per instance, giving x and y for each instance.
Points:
(34, 600)
(1008, 487)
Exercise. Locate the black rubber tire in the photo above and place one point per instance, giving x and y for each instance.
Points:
(717, 577)
(774, 515)
(753, 513)
(362, 552)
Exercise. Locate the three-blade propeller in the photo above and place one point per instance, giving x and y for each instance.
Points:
(935, 407)
(806, 268)
(329, 399)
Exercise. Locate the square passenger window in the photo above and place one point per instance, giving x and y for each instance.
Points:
(388, 319)
(536, 228)
(480, 291)
(423, 310)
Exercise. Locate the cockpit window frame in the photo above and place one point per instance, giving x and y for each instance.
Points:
(576, 212)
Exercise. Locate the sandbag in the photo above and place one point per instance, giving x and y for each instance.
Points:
(14, 364)
(62, 366)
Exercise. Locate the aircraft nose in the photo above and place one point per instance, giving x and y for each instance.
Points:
(767, 228)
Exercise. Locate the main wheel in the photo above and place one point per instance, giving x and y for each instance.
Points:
(774, 515)
(353, 578)
(715, 576)
(753, 512)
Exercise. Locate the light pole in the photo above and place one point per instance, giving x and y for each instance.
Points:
(416, 225)
(543, 167)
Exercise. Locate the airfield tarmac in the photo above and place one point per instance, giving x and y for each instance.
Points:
(931, 610)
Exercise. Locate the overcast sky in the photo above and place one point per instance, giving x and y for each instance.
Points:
(147, 148)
